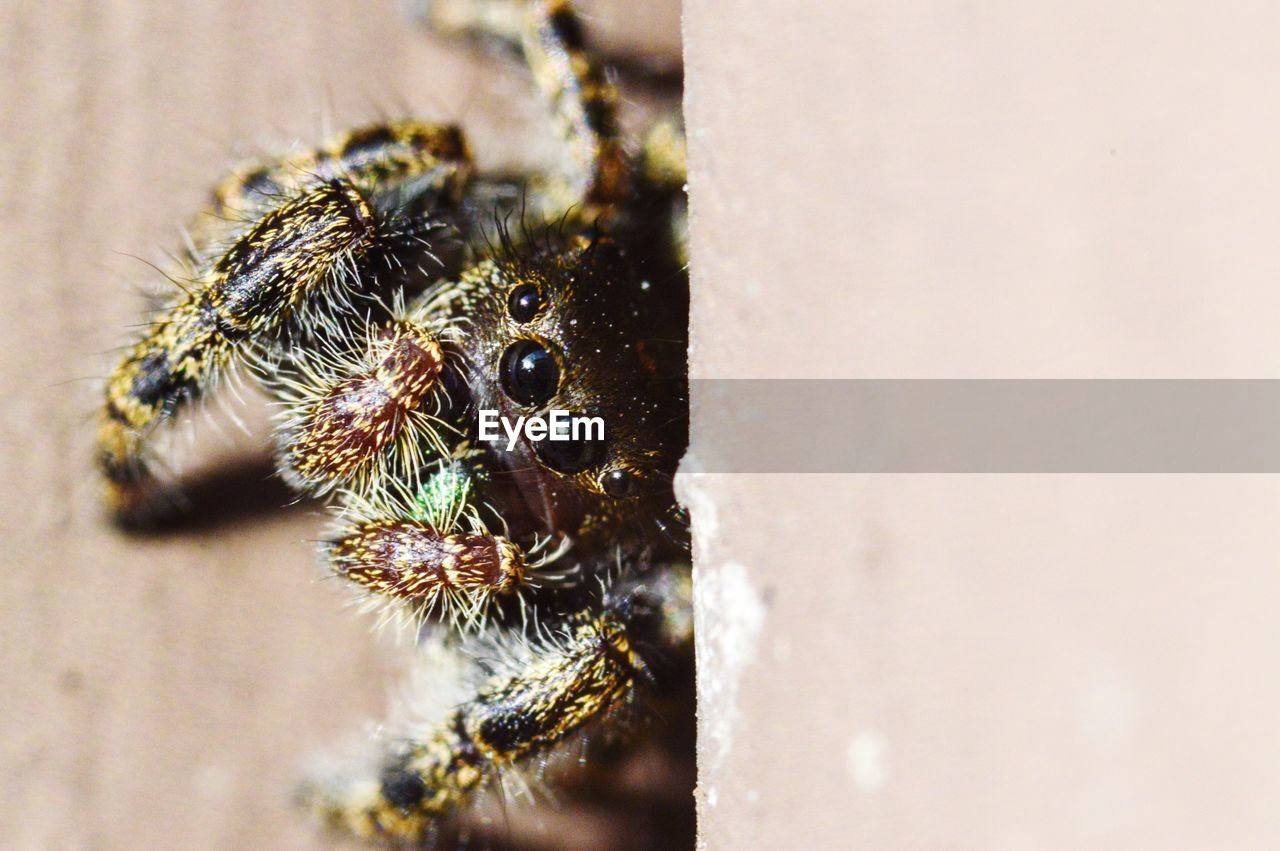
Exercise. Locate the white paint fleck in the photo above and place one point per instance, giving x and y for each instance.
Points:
(723, 596)
(702, 508)
(868, 760)
(728, 617)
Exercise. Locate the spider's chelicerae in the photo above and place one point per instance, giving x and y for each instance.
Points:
(385, 294)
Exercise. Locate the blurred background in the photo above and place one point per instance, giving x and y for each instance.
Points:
(166, 689)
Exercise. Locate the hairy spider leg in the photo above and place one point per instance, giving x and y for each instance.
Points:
(663, 161)
(548, 35)
(662, 172)
(593, 672)
(352, 418)
(281, 241)
(415, 157)
(292, 254)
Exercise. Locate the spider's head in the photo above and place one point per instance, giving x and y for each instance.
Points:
(574, 329)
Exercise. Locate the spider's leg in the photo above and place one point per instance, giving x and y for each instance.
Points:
(292, 255)
(539, 693)
(662, 173)
(663, 162)
(584, 102)
(279, 248)
(397, 158)
(355, 412)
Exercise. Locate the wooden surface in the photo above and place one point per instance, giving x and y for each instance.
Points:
(165, 690)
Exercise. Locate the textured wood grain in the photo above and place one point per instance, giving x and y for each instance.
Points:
(165, 690)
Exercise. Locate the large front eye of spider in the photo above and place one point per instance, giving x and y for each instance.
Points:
(529, 373)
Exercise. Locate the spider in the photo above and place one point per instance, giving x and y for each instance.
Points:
(386, 294)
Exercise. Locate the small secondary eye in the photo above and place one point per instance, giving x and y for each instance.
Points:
(524, 303)
(529, 373)
(620, 484)
(568, 456)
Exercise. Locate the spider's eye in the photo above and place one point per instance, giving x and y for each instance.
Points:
(529, 373)
(524, 303)
(568, 456)
(619, 484)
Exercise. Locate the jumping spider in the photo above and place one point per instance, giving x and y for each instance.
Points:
(383, 293)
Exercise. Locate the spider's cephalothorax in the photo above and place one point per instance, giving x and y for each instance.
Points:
(574, 328)
(376, 290)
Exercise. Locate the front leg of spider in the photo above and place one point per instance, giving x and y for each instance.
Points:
(281, 250)
(292, 255)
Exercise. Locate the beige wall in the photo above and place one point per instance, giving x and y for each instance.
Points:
(929, 189)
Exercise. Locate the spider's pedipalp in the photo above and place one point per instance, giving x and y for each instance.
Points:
(410, 560)
(426, 550)
(355, 419)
